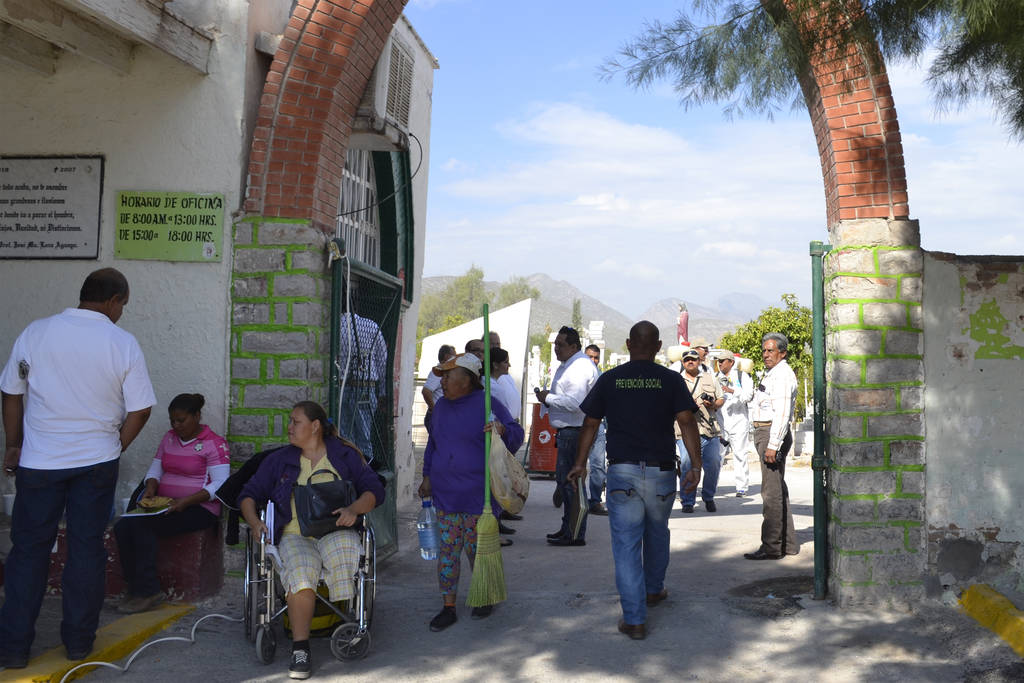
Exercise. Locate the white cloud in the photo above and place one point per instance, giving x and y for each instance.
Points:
(455, 165)
(636, 271)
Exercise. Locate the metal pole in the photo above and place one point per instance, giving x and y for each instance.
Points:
(819, 462)
(336, 247)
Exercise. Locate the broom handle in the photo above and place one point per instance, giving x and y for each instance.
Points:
(487, 410)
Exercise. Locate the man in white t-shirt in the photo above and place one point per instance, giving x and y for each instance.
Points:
(432, 391)
(76, 392)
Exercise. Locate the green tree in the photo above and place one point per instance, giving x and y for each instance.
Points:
(461, 301)
(794, 321)
(541, 340)
(515, 290)
(750, 55)
(577, 316)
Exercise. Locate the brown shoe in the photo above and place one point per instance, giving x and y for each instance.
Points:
(654, 598)
(143, 604)
(634, 631)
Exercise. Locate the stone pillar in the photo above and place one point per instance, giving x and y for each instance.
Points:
(875, 375)
(280, 341)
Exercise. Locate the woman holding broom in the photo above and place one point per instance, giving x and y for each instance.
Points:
(454, 471)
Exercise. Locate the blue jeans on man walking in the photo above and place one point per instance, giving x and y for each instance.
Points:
(567, 441)
(711, 463)
(87, 494)
(640, 499)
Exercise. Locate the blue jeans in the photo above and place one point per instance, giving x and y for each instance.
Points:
(87, 495)
(640, 500)
(597, 466)
(567, 442)
(711, 463)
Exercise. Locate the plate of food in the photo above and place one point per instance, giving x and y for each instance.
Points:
(155, 503)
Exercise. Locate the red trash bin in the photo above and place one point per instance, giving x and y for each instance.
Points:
(543, 453)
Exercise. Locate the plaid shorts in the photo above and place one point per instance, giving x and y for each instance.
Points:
(335, 557)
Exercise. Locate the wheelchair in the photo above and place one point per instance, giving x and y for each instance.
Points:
(265, 600)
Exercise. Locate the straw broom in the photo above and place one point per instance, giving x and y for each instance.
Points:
(488, 584)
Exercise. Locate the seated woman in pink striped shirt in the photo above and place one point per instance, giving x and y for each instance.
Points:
(190, 465)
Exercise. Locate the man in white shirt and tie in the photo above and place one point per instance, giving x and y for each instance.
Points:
(573, 380)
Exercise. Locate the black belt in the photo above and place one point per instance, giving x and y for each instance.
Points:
(566, 429)
(663, 466)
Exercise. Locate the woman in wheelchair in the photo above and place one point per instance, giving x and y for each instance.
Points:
(314, 446)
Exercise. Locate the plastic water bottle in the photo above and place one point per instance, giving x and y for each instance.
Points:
(426, 525)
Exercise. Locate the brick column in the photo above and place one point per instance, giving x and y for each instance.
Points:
(875, 373)
(280, 305)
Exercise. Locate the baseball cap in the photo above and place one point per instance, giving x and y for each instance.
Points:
(725, 354)
(691, 353)
(463, 360)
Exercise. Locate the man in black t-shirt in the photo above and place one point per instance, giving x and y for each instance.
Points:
(641, 401)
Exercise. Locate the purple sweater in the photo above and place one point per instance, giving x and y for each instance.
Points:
(454, 459)
(278, 473)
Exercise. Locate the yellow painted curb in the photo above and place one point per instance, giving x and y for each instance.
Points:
(114, 641)
(994, 611)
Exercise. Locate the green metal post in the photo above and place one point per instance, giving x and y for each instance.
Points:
(336, 247)
(819, 462)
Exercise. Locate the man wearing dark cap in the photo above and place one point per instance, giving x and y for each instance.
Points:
(641, 401)
(76, 392)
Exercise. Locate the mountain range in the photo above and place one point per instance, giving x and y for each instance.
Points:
(554, 308)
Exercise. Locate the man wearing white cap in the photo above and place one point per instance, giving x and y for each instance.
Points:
(738, 388)
(707, 394)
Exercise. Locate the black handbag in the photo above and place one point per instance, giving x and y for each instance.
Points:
(315, 504)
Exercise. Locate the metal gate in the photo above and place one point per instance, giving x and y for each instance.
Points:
(363, 377)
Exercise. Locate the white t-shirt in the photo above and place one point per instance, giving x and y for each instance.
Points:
(506, 392)
(80, 375)
(433, 384)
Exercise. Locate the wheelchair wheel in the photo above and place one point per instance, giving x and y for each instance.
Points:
(347, 643)
(248, 616)
(266, 643)
(370, 582)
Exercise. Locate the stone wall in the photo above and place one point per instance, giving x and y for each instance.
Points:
(279, 339)
(876, 427)
(974, 358)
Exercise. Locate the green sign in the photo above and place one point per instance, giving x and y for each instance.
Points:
(169, 226)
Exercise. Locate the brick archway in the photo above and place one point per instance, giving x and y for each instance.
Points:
(873, 275)
(309, 101)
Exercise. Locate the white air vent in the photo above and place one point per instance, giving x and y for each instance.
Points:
(389, 91)
(399, 86)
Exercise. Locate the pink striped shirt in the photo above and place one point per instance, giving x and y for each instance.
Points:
(186, 467)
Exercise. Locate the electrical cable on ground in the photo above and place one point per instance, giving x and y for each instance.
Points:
(123, 669)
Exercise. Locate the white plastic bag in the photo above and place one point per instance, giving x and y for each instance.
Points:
(509, 484)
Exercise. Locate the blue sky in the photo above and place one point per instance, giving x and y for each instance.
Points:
(537, 165)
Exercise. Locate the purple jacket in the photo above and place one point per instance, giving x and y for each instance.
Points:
(454, 458)
(278, 473)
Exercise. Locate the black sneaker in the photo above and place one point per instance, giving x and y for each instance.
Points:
(481, 612)
(301, 666)
(687, 509)
(445, 618)
(710, 506)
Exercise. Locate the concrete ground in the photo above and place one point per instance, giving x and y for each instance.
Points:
(726, 618)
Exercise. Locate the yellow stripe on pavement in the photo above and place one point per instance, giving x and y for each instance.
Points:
(994, 611)
(113, 642)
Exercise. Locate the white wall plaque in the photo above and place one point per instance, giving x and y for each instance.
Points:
(50, 207)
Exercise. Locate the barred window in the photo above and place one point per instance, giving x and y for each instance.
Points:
(358, 221)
